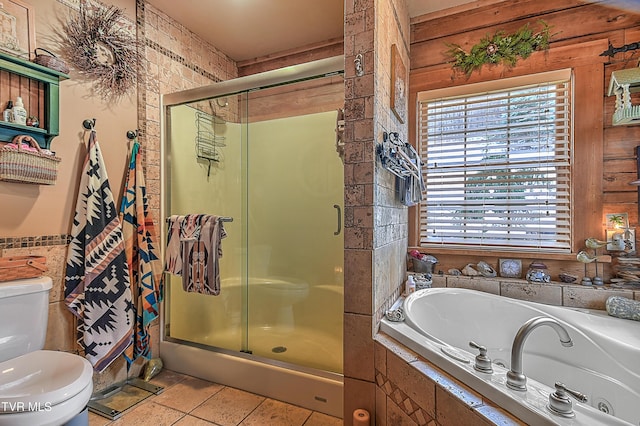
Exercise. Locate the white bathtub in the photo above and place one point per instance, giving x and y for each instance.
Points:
(604, 362)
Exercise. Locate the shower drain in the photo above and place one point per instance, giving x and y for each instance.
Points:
(279, 349)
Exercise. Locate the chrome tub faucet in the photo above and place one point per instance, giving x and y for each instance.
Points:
(560, 403)
(516, 380)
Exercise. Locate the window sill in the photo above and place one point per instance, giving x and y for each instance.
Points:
(505, 254)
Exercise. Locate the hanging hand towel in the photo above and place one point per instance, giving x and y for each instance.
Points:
(145, 267)
(412, 186)
(201, 257)
(193, 251)
(173, 253)
(97, 276)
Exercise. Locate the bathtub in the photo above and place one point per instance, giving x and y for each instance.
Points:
(604, 362)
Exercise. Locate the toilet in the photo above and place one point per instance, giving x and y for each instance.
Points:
(37, 387)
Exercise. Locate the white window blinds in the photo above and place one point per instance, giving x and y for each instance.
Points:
(498, 166)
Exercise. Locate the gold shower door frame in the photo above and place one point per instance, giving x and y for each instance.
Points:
(236, 93)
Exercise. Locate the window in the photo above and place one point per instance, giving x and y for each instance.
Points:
(497, 161)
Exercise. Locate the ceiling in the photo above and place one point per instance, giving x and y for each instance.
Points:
(246, 29)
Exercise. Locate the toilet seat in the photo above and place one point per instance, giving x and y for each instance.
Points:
(50, 416)
(42, 379)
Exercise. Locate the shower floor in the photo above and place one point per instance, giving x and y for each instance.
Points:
(300, 346)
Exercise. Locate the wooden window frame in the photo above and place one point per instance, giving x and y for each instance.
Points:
(521, 90)
(589, 87)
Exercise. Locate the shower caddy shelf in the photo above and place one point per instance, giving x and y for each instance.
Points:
(207, 142)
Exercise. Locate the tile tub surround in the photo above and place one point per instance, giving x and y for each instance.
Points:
(375, 222)
(412, 391)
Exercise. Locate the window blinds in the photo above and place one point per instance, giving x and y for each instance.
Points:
(498, 168)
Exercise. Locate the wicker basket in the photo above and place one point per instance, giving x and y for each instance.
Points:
(19, 165)
(50, 61)
(21, 267)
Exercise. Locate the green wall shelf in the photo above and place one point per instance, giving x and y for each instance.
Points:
(49, 119)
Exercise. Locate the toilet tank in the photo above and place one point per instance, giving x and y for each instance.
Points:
(24, 308)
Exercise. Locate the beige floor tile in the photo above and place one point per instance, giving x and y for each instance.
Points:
(276, 413)
(188, 394)
(212, 404)
(168, 378)
(149, 414)
(192, 421)
(319, 419)
(228, 407)
(97, 420)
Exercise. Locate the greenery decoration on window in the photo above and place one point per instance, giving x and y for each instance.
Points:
(97, 45)
(500, 48)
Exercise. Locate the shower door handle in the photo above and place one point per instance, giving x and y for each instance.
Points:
(339, 211)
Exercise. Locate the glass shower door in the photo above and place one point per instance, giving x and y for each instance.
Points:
(205, 175)
(294, 227)
(266, 158)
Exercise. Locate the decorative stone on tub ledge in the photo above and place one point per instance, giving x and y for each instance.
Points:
(553, 293)
(622, 307)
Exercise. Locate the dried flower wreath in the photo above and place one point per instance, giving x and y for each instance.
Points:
(98, 46)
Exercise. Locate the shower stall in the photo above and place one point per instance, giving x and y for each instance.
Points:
(264, 153)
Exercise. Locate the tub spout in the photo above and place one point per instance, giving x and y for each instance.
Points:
(516, 380)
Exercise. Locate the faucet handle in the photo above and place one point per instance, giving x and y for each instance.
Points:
(560, 388)
(560, 403)
(483, 362)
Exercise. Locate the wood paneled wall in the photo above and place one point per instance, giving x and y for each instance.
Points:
(305, 97)
(308, 53)
(32, 93)
(604, 154)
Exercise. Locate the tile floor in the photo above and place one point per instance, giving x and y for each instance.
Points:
(188, 401)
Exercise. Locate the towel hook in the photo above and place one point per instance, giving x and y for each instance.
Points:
(89, 123)
(132, 134)
(359, 65)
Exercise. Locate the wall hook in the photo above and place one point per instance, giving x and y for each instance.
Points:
(89, 123)
(132, 134)
(359, 64)
(624, 48)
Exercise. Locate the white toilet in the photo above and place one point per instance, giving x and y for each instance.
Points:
(37, 387)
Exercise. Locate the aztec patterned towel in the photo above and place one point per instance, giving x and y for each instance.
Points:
(193, 251)
(145, 267)
(97, 287)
